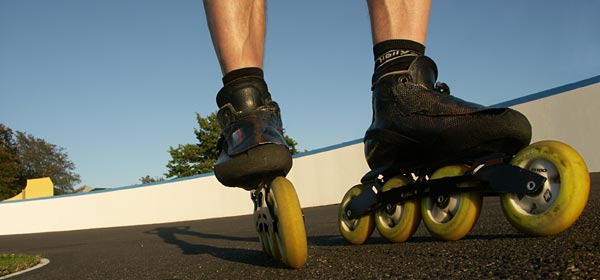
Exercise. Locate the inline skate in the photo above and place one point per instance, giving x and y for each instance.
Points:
(434, 156)
(253, 155)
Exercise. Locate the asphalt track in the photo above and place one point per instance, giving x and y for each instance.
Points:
(228, 249)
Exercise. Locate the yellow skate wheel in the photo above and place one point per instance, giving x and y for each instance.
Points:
(290, 232)
(355, 231)
(563, 197)
(451, 217)
(398, 222)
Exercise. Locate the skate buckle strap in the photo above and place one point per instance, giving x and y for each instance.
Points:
(442, 88)
(226, 115)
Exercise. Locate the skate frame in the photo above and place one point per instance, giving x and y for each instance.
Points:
(491, 176)
(262, 213)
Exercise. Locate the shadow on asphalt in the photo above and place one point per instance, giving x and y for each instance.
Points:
(336, 240)
(247, 256)
(326, 240)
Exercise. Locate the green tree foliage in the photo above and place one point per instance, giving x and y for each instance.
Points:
(192, 159)
(23, 156)
(42, 159)
(149, 179)
(291, 143)
(10, 165)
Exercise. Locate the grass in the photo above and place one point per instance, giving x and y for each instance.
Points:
(11, 263)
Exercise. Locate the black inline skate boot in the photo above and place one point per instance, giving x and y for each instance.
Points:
(433, 158)
(416, 122)
(252, 149)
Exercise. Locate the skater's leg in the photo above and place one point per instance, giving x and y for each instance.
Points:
(393, 19)
(237, 30)
(252, 150)
(399, 30)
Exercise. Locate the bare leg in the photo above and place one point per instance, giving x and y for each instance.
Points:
(394, 19)
(237, 30)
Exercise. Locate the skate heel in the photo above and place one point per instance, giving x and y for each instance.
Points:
(249, 169)
(251, 147)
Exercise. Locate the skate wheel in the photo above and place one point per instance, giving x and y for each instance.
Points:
(290, 233)
(355, 231)
(451, 217)
(563, 197)
(398, 222)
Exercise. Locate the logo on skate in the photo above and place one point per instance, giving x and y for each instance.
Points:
(393, 54)
(539, 169)
(237, 137)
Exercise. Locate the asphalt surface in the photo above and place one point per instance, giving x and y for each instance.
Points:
(228, 249)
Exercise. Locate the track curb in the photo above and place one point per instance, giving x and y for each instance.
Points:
(42, 263)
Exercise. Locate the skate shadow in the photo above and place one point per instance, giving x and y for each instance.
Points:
(497, 236)
(431, 239)
(326, 240)
(337, 240)
(181, 236)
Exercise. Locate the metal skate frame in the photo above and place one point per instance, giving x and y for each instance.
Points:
(491, 176)
(263, 219)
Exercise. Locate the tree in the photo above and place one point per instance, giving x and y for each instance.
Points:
(10, 165)
(42, 159)
(23, 156)
(149, 179)
(191, 159)
(291, 143)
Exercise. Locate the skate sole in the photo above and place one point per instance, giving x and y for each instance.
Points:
(258, 165)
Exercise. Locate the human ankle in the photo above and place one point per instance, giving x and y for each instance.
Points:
(395, 55)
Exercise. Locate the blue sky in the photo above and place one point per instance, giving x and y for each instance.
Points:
(116, 82)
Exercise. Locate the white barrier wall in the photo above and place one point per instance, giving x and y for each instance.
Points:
(572, 117)
(321, 177)
(196, 198)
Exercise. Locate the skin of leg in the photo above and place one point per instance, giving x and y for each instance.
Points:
(399, 19)
(237, 29)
